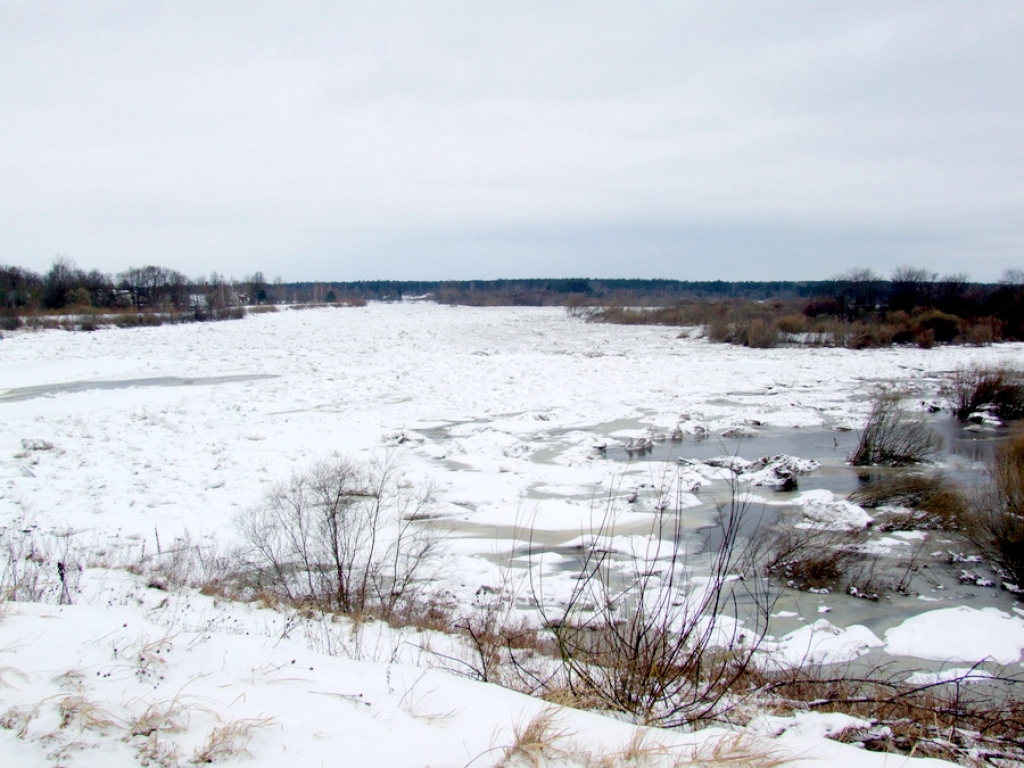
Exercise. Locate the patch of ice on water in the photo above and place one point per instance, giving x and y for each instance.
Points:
(778, 471)
(959, 674)
(823, 510)
(740, 431)
(825, 643)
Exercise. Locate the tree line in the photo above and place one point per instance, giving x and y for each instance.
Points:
(856, 296)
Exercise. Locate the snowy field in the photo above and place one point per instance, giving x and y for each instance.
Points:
(122, 442)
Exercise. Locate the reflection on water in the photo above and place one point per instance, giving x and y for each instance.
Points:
(972, 442)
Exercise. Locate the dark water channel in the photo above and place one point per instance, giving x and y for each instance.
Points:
(45, 390)
(934, 580)
(967, 451)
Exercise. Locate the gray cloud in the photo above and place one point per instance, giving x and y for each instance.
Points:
(689, 140)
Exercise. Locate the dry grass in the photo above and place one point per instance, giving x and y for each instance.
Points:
(79, 711)
(537, 742)
(18, 719)
(163, 716)
(932, 500)
(9, 673)
(540, 743)
(736, 751)
(229, 740)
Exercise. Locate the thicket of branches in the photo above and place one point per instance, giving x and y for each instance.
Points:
(342, 536)
(892, 436)
(145, 295)
(640, 635)
(858, 309)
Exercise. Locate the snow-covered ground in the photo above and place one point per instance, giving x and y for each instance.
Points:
(171, 432)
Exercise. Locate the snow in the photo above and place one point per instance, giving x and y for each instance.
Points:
(498, 409)
(960, 634)
(823, 643)
(824, 511)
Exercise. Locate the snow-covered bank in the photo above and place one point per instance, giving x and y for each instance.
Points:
(499, 409)
(140, 677)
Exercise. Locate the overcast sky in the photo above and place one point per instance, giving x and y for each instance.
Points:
(458, 140)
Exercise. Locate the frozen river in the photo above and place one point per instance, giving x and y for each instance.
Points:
(138, 435)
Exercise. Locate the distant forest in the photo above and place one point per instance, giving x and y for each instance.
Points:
(911, 305)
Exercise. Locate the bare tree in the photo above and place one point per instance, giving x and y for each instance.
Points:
(910, 288)
(62, 278)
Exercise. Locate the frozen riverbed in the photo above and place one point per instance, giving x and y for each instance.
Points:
(501, 410)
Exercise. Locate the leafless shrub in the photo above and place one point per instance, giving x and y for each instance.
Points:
(10, 320)
(186, 562)
(647, 641)
(342, 537)
(38, 567)
(998, 520)
(892, 437)
(979, 388)
(505, 647)
(808, 558)
(973, 715)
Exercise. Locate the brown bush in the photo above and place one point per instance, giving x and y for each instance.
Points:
(9, 319)
(792, 324)
(892, 437)
(998, 528)
(978, 388)
(981, 332)
(940, 503)
(809, 558)
(942, 326)
(957, 720)
(757, 333)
